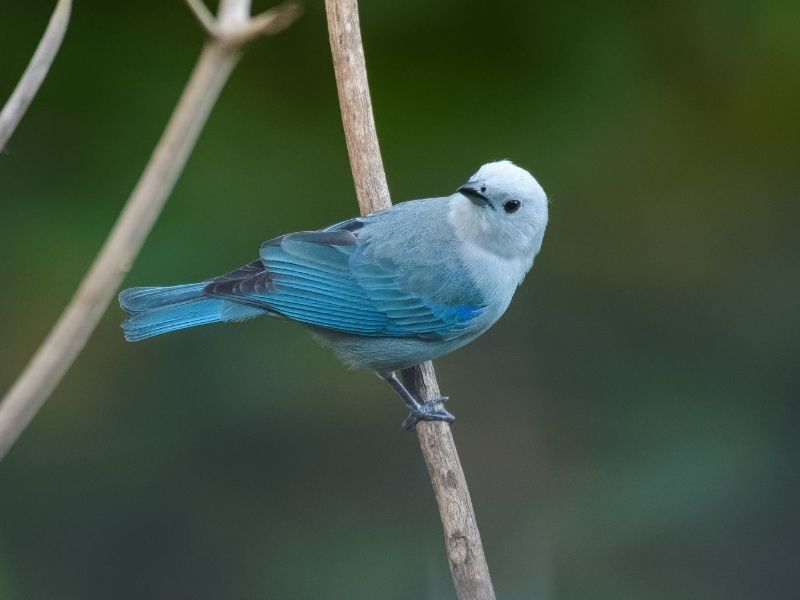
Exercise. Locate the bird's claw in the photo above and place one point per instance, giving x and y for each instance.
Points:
(428, 411)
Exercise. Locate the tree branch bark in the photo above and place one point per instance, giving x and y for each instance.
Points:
(36, 71)
(72, 330)
(462, 539)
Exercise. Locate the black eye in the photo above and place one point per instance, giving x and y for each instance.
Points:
(511, 206)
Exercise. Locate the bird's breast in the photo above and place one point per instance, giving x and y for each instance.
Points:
(497, 277)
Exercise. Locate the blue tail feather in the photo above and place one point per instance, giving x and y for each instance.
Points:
(156, 310)
(139, 299)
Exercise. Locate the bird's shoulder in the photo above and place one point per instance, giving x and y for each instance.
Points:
(417, 239)
(412, 241)
(409, 230)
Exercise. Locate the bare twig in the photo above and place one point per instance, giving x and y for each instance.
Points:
(239, 28)
(461, 535)
(344, 31)
(203, 16)
(28, 85)
(70, 333)
(267, 23)
(233, 13)
(462, 538)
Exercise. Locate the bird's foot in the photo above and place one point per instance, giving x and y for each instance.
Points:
(432, 410)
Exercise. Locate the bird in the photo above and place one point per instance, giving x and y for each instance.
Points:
(386, 291)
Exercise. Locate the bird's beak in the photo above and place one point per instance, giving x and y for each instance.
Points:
(472, 190)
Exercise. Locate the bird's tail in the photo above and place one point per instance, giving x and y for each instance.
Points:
(156, 310)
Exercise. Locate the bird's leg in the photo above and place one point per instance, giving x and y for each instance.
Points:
(432, 410)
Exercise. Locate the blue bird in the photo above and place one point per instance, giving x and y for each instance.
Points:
(386, 291)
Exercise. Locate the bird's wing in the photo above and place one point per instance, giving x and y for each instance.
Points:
(322, 279)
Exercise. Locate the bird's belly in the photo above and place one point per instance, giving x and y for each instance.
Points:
(387, 354)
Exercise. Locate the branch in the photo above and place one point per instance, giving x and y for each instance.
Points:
(238, 31)
(37, 70)
(462, 538)
(71, 332)
(203, 16)
(267, 23)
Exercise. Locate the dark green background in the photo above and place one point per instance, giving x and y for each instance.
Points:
(629, 429)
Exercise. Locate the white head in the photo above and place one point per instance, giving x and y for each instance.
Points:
(501, 209)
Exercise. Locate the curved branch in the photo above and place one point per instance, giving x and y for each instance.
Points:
(462, 538)
(71, 332)
(34, 75)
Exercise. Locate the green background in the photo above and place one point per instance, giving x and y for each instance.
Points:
(629, 429)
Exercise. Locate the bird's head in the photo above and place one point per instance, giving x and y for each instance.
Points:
(503, 209)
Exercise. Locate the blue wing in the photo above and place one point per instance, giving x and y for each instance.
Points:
(323, 279)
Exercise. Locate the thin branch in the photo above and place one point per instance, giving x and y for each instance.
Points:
(462, 538)
(71, 332)
(33, 76)
(344, 31)
(232, 13)
(269, 22)
(237, 32)
(203, 15)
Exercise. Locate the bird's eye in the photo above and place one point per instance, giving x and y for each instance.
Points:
(511, 206)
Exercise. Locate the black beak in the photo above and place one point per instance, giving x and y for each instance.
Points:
(474, 191)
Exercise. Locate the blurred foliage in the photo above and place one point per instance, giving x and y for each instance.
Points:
(629, 429)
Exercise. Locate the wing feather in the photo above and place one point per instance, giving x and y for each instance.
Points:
(324, 279)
